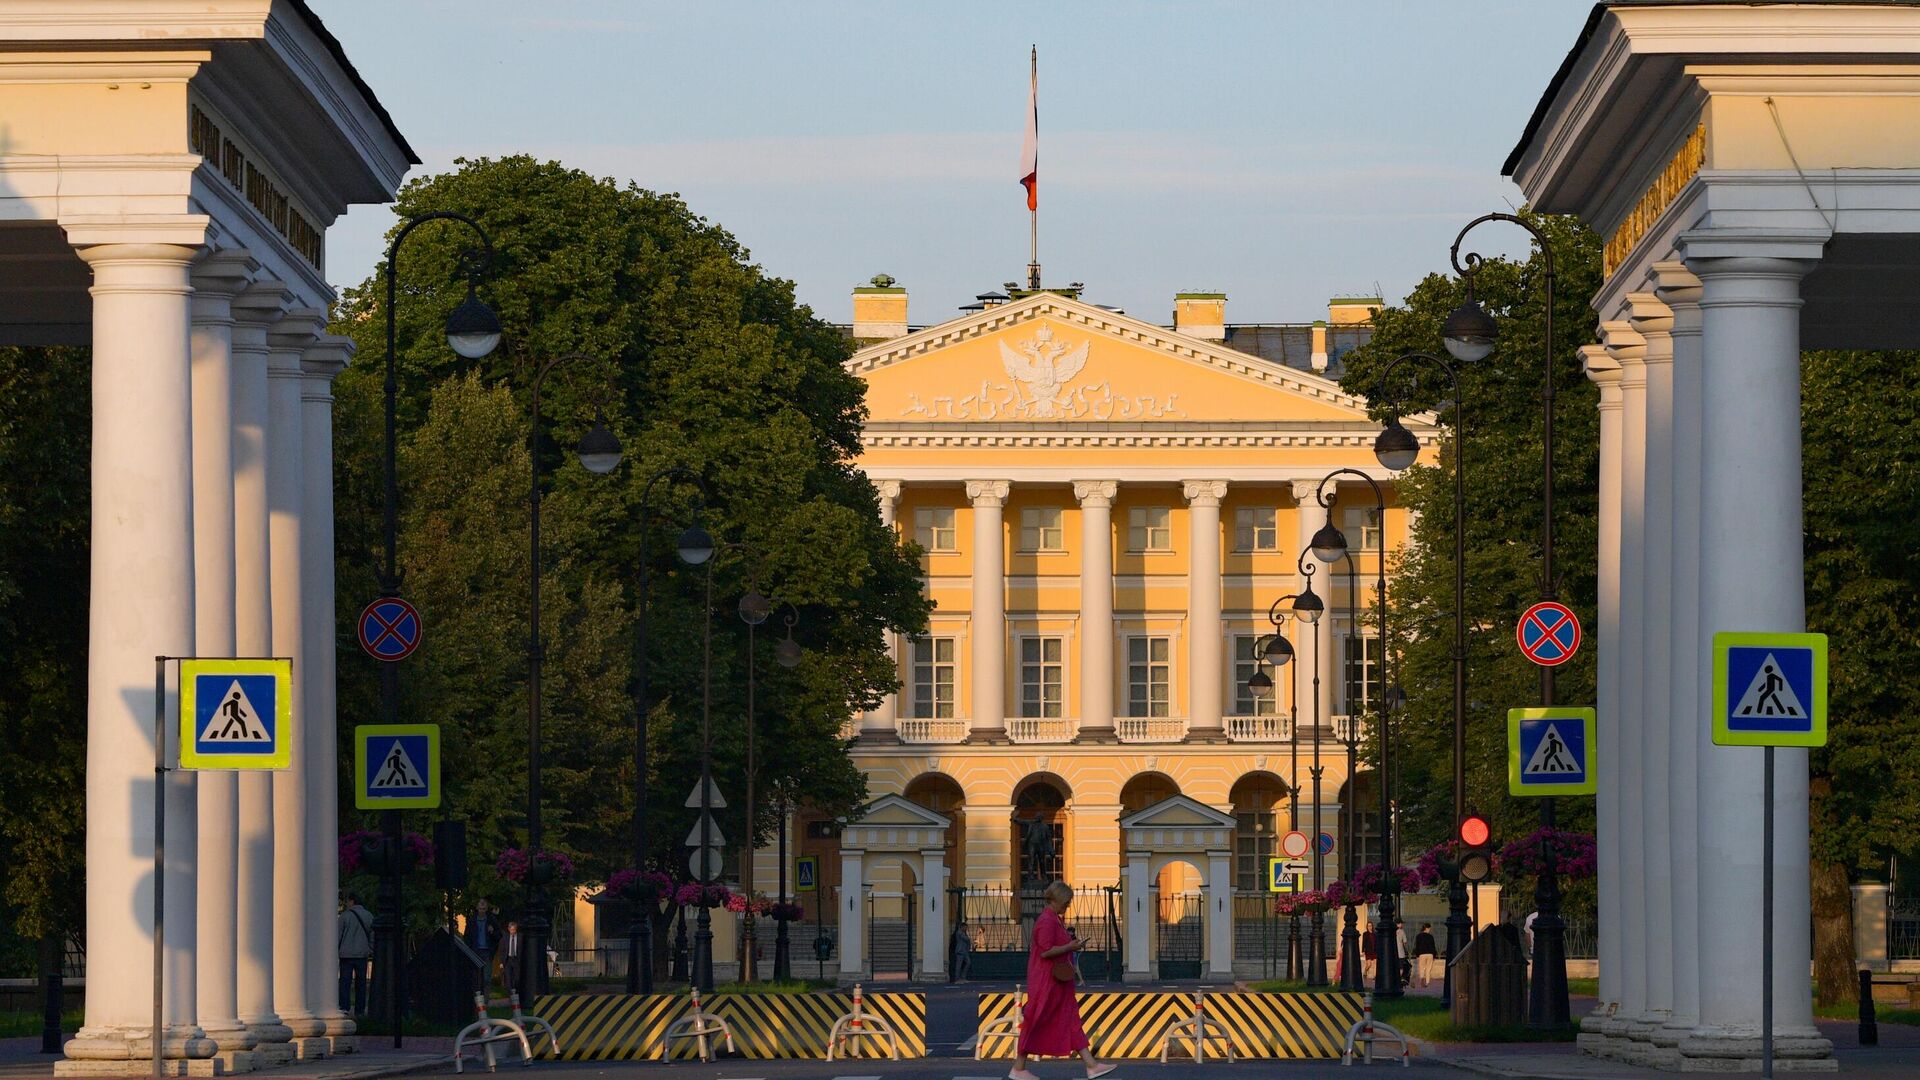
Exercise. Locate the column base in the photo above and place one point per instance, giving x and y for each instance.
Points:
(1096, 736)
(310, 1047)
(339, 1024)
(1137, 977)
(217, 1065)
(230, 1035)
(270, 1042)
(991, 737)
(272, 1055)
(879, 737)
(304, 1027)
(1724, 1051)
(343, 1044)
(181, 1042)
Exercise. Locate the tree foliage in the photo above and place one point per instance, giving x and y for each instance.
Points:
(698, 361)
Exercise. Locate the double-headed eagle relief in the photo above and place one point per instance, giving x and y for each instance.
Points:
(1040, 371)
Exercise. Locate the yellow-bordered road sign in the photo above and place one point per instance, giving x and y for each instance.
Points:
(1769, 689)
(806, 873)
(396, 766)
(1550, 751)
(236, 714)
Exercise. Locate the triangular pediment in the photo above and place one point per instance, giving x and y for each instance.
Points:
(1177, 812)
(893, 810)
(1050, 360)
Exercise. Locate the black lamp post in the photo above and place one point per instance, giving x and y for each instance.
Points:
(599, 453)
(640, 927)
(696, 548)
(1397, 449)
(1470, 334)
(472, 332)
(787, 655)
(1351, 975)
(1308, 608)
(1276, 650)
(1329, 545)
(754, 609)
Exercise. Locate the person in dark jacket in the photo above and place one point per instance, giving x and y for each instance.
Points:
(1425, 951)
(483, 937)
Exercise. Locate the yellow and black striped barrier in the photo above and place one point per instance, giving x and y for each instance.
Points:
(1130, 1025)
(628, 1027)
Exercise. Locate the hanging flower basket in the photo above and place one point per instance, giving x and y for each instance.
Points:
(639, 886)
(533, 868)
(1574, 856)
(365, 851)
(1374, 879)
(1304, 904)
(1349, 894)
(694, 894)
(786, 912)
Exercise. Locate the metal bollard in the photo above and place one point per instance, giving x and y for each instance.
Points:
(1869, 1024)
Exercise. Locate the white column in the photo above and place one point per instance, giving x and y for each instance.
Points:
(216, 281)
(319, 364)
(293, 897)
(933, 914)
(1653, 320)
(255, 310)
(1205, 672)
(1310, 516)
(1138, 918)
(1629, 348)
(883, 724)
(141, 605)
(853, 916)
(988, 636)
(1604, 370)
(1219, 900)
(1680, 291)
(1751, 578)
(1096, 608)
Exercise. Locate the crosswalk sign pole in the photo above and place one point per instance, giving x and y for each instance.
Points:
(1766, 920)
(159, 846)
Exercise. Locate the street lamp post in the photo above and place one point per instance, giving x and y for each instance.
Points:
(1329, 545)
(1397, 449)
(1308, 608)
(787, 655)
(640, 927)
(1351, 976)
(754, 609)
(1470, 334)
(695, 548)
(473, 332)
(599, 453)
(1276, 650)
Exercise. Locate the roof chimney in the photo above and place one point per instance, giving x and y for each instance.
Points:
(1349, 310)
(1201, 315)
(879, 310)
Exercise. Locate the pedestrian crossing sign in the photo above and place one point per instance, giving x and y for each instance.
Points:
(236, 714)
(1769, 689)
(396, 766)
(1550, 752)
(806, 873)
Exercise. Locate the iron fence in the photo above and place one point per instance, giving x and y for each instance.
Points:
(1903, 929)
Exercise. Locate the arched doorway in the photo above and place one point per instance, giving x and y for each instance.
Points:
(942, 794)
(1359, 823)
(1040, 835)
(1259, 809)
(1176, 879)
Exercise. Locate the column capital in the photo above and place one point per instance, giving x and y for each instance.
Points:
(1305, 491)
(1204, 492)
(1600, 365)
(290, 336)
(218, 278)
(989, 492)
(889, 490)
(1647, 315)
(1095, 492)
(1711, 251)
(1629, 347)
(262, 303)
(326, 357)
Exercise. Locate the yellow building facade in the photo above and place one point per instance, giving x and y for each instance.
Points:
(1108, 508)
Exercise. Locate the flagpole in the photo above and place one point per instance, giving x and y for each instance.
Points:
(1033, 213)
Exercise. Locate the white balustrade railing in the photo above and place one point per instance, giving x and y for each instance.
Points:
(1259, 729)
(1042, 729)
(1150, 729)
(946, 729)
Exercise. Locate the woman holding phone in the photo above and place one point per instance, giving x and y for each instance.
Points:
(1050, 1024)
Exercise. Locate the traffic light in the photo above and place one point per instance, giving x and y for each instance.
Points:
(1476, 837)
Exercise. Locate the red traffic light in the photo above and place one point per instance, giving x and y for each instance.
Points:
(1474, 831)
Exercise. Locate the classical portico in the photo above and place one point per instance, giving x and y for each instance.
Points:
(1176, 830)
(168, 174)
(1754, 170)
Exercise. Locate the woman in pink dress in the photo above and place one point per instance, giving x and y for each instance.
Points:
(1050, 1024)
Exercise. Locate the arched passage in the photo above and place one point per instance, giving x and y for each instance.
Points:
(942, 794)
(1259, 809)
(1359, 823)
(1040, 802)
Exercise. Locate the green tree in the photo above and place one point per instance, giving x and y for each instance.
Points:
(702, 362)
(45, 425)
(1503, 524)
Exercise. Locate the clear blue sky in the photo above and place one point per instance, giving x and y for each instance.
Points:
(1279, 152)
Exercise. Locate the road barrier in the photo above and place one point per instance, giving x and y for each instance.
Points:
(485, 1031)
(697, 1026)
(1131, 1025)
(1366, 1031)
(855, 1025)
(630, 1027)
(1198, 1031)
(999, 1029)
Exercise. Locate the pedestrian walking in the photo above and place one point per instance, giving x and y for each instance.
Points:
(962, 955)
(1403, 957)
(1369, 951)
(513, 947)
(356, 948)
(1424, 952)
(1050, 1023)
(483, 937)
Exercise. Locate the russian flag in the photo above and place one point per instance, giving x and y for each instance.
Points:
(1030, 148)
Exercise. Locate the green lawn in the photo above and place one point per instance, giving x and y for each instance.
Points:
(1425, 1018)
(15, 1025)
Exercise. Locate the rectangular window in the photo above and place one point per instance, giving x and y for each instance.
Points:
(1245, 703)
(1149, 677)
(1041, 678)
(933, 528)
(1040, 529)
(1361, 680)
(933, 678)
(1255, 528)
(1253, 846)
(1363, 530)
(1150, 528)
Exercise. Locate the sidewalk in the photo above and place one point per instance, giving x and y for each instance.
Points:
(21, 1059)
(1897, 1055)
